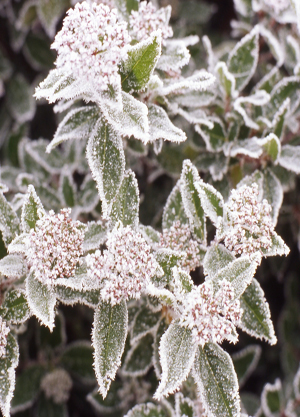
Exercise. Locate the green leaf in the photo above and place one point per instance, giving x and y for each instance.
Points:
(214, 137)
(112, 404)
(278, 247)
(108, 337)
(20, 99)
(216, 381)
(37, 51)
(271, 401)
(8, 364)
(95, 235)
(47, 408)
(145, 322)
(67, 188)
(138, 359)
(77, 124)
(162, 328)
(182, 281)
(50, 12)
(167, 259)
(126, 205)
(9, 222)
(139, 65)
(242, 60)
(184, 407)
(15, 306)
(245, 362)
(290, 158)
(146, 410)
(177, 353)
(71, 296)
(55, 340)
(161, 127)
(174, 210)
(18, 244)
(211, 200)
(41, 300)
(27, 388)
(288, 87)
(256, 317)
(77, 358)
(191, 200)
(174, 55)
(226, 80)
(32, 210)
(216, 258)
(107, 162)
(13, 266)
(273, 193)
(271, 146)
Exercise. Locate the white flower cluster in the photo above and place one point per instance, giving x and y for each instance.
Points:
(125, 268)
(250, 227)
(178, 238)
(54, 247)
(211, 316)
(91, 44)
(147, 20)
(57, 386)
(4, 330)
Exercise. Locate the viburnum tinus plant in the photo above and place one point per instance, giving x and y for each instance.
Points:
(132, 104)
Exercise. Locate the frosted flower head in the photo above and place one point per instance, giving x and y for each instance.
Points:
(250, 227)
(125, 269)
(212, 316)
(178, 238)
(54, 246)
(4, 330)
(91, 44)
(147, 20)
(57, 386)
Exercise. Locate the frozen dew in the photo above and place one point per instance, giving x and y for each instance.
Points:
(212, 316)
(57, 386)
(4, 330)
(54, 247)
(123, 270)
(91, 44)
(250, 227)
(147, 20)
(178, 238)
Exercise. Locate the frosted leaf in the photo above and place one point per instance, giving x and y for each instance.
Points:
(18, 245)
(242, 60)
(77, 124)
(151, 236)
(292, 52)
(211, 59)
(259, 98)
(216, 258)
(193, 99)
(182, 282)
(175, 55)
(271, 401)
(200, 80)
(275, 47)
(173, 209)
(191, 200)
(131, 121)
(289, 158)
(106, 159)
(145, 322)
(163, 326)
(13, 266)
(9, 222)
(8, 364)
(296, 384)
(138, 359)
(137, 68)
(19, 99)
(167, 259)
(32, 210)
(273, 193)
(67, 188)
(126, 205)
(288, 87)
(245, 361)
(197, 116)
(243, 7)
(226, 79)
(108, 338)
(278, 247)
(279, 120)
(256, 317)
(177, 352)
(95, 235)
(70, 296)
(217, 382)
(161, 127)
(296, 7)
(214, 135)
(50, 163)
(256, 177)
(214, 163)
(211, 200)
(184, 407)
(15, 306)
(146, 410)
(41, 300)
(50, 12)
(271, 146)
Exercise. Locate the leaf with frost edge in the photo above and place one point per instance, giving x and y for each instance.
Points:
(179, 400)
(255, 350)
(32, 210)
(9, 221)
(214, 260)
(11, 374)
(270, 388)
(13, 266)
(172, 213)
(161, 127)
(143, 345)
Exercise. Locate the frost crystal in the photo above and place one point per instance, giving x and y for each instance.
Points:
(125, 268)
(4, 330)
(211, 316)
(54, 247)
(250, 226)
(147, 20)
(178, 238)
(91, 44)
(57, 385)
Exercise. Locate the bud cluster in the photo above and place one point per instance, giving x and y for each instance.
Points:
(178, 238)
(250, 226)
(123, 270)
(54, 247)
(212, 316)
(147, 20)
(4, 330)
(91, 44)
(57, 385)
